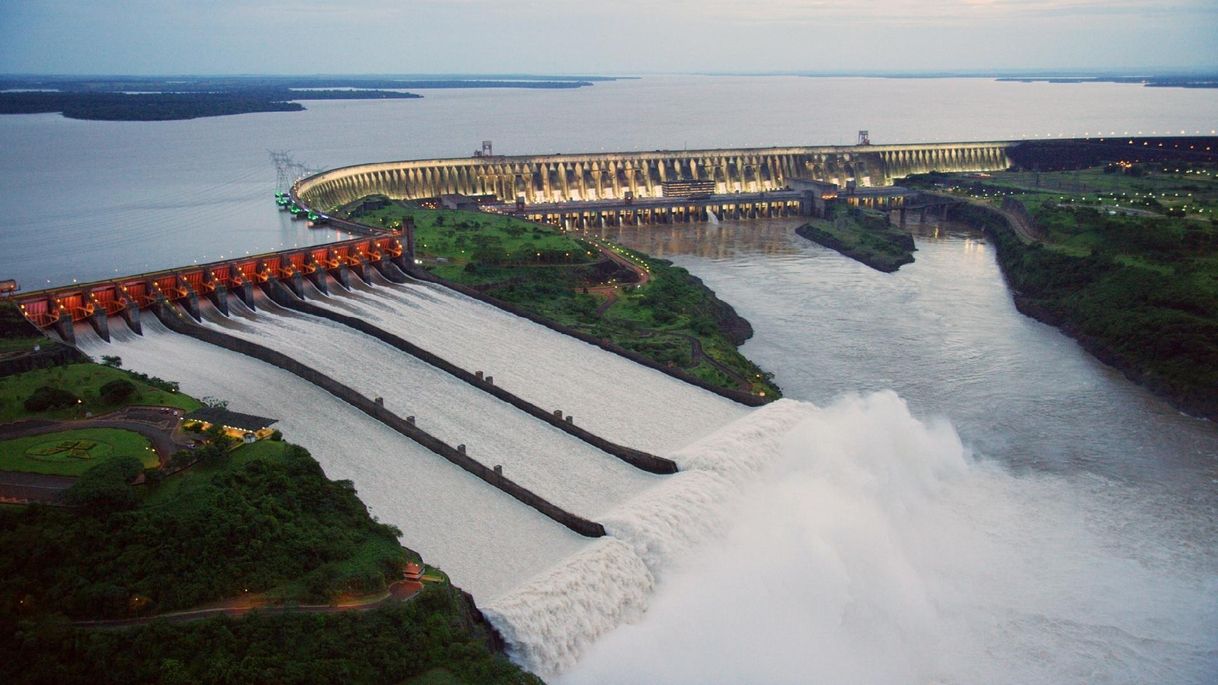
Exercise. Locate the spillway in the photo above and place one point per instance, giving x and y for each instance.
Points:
(549, 592)
(565, 470)
(606, 393)
(550, 621)
(487, 541)
(553, 596)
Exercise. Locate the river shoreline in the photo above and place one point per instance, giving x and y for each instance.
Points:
(995, 226)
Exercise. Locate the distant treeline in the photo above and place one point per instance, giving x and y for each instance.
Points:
(124, 98)
(233, 84)
(1075, 153)
(167, 106)
(1148, 81)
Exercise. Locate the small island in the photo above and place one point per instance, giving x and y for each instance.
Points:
(862, 235)
(165, 99)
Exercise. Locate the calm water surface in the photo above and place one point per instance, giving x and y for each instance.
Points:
(944, 333)
(87, 199)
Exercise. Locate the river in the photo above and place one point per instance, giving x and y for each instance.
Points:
(953, 493)
(1014, 512)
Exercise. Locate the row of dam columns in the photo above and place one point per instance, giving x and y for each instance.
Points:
(558, 178)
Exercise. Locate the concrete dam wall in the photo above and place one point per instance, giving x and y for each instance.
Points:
(610, 176)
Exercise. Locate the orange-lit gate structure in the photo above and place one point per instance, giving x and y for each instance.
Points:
(60, 308)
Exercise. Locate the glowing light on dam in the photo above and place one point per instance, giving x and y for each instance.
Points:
(618, 175)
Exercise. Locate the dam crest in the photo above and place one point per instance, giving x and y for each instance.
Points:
(559, 178)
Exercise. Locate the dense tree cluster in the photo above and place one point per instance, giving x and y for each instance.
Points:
(116, 391)
(45, 398)
(1156, 317)
(106, 487)
(433, 632)
(250, 526)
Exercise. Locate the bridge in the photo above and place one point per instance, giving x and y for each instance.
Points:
(618, 176)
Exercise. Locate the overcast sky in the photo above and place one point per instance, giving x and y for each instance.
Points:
(600, 36)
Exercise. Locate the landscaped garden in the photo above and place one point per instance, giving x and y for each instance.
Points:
(72, 452)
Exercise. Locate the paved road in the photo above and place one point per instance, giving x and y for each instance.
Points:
(399, 591)
(24, 488)
(150, 422)
(1023, 230)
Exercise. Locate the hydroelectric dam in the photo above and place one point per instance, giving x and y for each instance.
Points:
(648, 187)
(541, 470)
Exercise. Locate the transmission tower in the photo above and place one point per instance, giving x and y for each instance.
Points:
(288, 169)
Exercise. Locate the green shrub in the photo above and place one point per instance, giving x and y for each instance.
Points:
(46, 398)
(116, 391)
(107, 486)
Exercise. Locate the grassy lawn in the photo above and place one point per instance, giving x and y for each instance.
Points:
(72, 452)
(462, 236)
(21, 344)
(1156, 189)
(83, 380)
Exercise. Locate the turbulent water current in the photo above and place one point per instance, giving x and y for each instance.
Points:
(831, 537)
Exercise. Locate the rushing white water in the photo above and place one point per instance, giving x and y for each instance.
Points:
(550, 621)
(874, 548)
(606, 393)
(563, 469)
(849, 542)
(486, 540)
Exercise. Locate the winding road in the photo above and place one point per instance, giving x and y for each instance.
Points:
(154, 423)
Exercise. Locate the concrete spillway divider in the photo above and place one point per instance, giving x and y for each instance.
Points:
(131, 314)
(174, 321)
(343, 275)
(219, 297)
(63, 326)
(747, 399)
(295, 282)
(364, 270)
(99, 320)
(191, 301)
(390, 270)
(637, 458)
(245, 290)
(318, 278)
